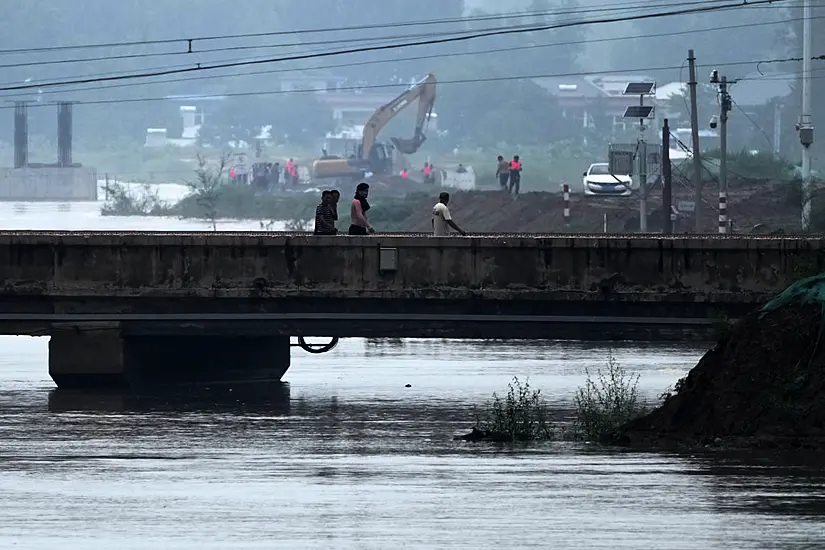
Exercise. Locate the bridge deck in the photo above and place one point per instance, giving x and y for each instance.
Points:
(490, 285)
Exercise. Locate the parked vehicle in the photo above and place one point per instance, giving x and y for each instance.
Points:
(599, 181)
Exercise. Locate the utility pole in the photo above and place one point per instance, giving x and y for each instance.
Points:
(667, 198)
(641, 112)
(725, 105)
(694, 133)
(642, 172)
(777, 129)
(806, 129)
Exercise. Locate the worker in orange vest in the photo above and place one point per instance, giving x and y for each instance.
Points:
(428, 173)
(290, 170)
(515, 174)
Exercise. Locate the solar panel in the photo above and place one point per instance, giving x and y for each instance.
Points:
(638, 111)
(639, 88)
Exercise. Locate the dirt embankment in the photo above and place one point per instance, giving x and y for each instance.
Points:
(762, 386)
(770, 205)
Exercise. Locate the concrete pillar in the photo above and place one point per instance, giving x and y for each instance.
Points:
(88, 356)
(95, 356)
(21, 134)
(64, 134)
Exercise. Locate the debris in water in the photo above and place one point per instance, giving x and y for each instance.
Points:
(484, 435)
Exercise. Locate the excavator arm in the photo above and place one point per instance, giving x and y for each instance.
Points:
(424, 92)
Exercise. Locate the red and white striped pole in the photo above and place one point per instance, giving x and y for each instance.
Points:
(723, 212)
(566, 197)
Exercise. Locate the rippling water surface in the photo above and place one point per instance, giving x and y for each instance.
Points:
(345, 456)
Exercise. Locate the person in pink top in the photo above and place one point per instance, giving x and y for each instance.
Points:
(358, 211)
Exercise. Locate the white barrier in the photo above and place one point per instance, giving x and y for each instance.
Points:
(465, 181)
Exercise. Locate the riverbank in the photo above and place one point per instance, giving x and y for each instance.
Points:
(761, 386)
(758, 206)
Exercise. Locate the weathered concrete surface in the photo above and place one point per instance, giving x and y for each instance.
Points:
(100, 355)
(338, 278)
(48, 183)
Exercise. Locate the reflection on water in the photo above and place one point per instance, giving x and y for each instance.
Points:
(263, 397)
(347, 456)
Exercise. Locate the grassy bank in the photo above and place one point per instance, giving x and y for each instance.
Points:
(757, 206)
(241, 202)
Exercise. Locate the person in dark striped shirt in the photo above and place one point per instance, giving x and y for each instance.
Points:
(325, 216)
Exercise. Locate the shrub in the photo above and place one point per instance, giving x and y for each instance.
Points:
(123, 201)
(519, 416)
(607, 402)
(206, 189)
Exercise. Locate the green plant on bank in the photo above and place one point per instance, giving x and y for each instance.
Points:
(122, 200)
(607, 402)
(206, 188)
(521, 415)
(760, 166)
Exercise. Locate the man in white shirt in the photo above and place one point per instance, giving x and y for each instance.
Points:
(442, 220)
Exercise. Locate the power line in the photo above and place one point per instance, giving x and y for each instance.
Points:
(487, 17)
(199, 67)
(413, 58)
(385, 86)
(394, 38)
(755, 125)
(319, 42)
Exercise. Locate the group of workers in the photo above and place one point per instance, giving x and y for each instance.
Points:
(326, 214)
(427, 172)
(266, 175)
(509, 170)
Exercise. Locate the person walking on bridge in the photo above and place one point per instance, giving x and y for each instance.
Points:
(442, 220)
(324, 216)
(515, 175)
(358, 211)
(334, 197)
(503, 172)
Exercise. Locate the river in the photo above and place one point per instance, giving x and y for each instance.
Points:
(346, 456)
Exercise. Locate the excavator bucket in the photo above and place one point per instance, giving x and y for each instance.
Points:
(408, 146)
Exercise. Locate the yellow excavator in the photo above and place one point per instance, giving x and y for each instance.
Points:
(375, 157)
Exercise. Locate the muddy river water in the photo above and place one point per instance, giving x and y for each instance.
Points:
(346, 456)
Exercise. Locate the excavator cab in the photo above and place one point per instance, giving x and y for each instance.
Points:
(380, 159)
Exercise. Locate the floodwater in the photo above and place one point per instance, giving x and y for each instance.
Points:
(345, 456)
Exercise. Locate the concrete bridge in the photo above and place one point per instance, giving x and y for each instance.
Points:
(150, 308)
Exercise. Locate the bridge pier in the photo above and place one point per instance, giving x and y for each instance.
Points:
(99, 355)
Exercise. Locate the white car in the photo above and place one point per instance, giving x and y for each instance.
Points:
(599, 181)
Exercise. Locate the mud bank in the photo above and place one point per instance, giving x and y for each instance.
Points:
(767, 205)
(761, 386)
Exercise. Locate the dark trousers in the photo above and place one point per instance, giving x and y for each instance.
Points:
(502, 180)
(357, 230)
(515, 182)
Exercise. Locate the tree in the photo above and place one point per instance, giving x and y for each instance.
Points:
(677, 107)
(208, 185)
(510, 111)
(724, 36)
(299, 115)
